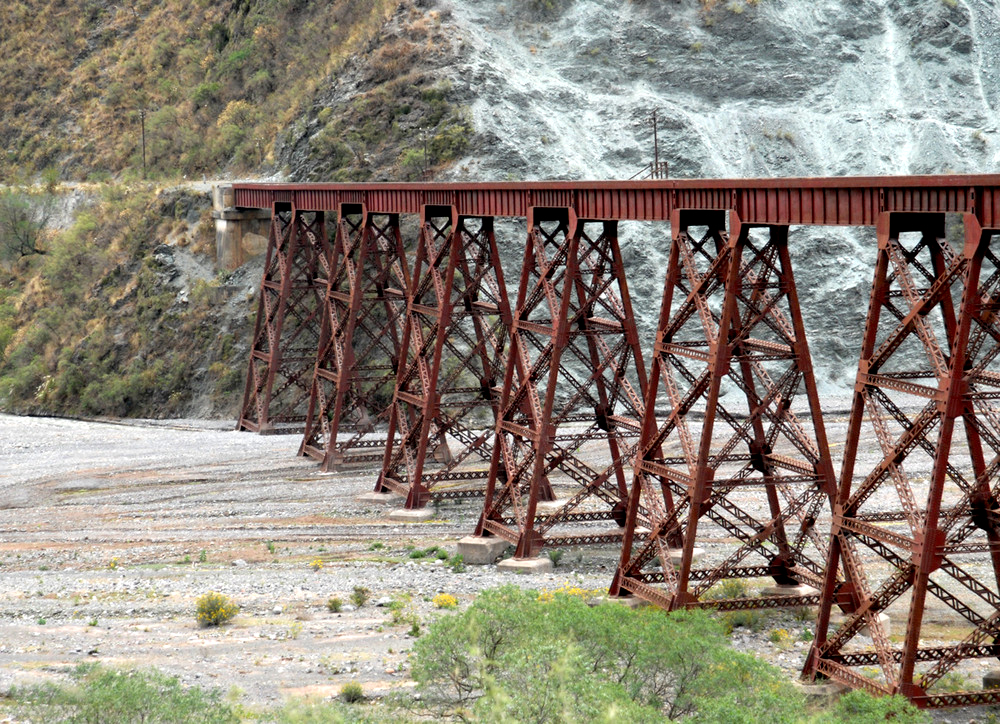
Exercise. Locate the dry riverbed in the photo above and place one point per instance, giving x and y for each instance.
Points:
(109, 532)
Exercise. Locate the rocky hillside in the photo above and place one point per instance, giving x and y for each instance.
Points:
(216, 86)
(746, 88)
(451, 89)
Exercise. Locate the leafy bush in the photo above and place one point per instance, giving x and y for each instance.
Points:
(334, 605)
(351, 692)
(513, 655)
(360, 596)
(104, 695)
(215, 609)
(313, 711)
(445, 600)
(860, 707)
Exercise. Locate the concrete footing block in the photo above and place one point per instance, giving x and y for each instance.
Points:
(820, 691)
(379, 498)
(676, 554)
(416, 515)
(991, 679)
(626, 601)
(525, 565)
(476, 551)
(884, 620)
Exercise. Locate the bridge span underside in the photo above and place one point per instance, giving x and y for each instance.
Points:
(386, 336)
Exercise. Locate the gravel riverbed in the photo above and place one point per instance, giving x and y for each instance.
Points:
(110, 531)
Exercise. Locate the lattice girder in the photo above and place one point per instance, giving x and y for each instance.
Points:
(288, 323)
(574, 376)
(730, 314)
(454, 348)
(926, 509)
(359, 350)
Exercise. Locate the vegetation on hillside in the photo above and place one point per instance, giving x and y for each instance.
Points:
(98, 326)
(92, 319)
(390, 114)
(215, 83)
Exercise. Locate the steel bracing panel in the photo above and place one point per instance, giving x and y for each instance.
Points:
(923, 444)
(359, 344)
(742, 464)
(287, 328)
(572, 392)
(454, 344)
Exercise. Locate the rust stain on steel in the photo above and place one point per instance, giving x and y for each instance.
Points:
(453, 354)
(924, 508)
(286, 332)
(574, 380)
(359, 343)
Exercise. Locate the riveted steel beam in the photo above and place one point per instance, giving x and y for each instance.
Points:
(440, 437)
(359, 343)
(931, 482)
(749, 467)
(573, 376)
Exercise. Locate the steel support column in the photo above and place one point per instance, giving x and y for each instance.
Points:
(740, 465)
(287, 328)
(454, 341)
(572, 394)
(359, 351)
(916, 527)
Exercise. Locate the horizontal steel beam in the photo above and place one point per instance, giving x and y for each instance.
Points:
(847, 201)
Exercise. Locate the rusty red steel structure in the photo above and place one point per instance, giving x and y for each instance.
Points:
(359, 345)
(730, 312)
(453, 349)
(574, 375)
(286, 331)
(925, 506)
(925, 510)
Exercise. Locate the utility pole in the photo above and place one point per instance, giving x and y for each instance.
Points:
(657, 171)
(142, 120)
(656, 144)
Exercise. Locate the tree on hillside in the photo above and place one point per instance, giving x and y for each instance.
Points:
(23, 221)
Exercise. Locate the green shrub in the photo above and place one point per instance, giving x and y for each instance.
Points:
(360, 596)
(214, 609)
(104, 695)
(860, 707)
(334, 604)
(351, 692)
(513, 655)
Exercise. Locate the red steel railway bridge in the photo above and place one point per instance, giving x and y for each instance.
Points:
(389, 336)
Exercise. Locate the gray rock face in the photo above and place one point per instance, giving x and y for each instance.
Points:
(777, 88)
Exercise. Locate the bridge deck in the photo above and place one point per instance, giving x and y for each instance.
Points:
(843, 201)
